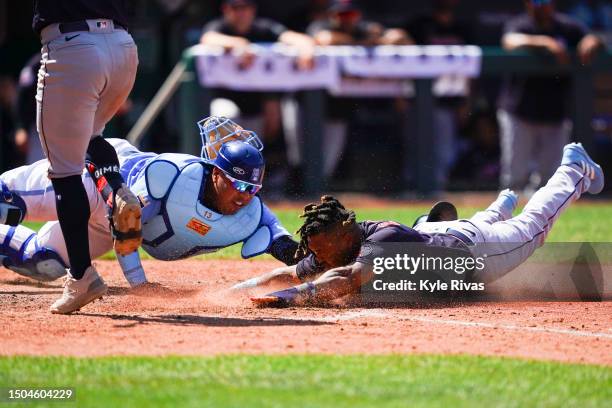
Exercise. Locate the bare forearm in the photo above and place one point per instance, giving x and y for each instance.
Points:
(333, 284)
(278, 277)
(296, 39)
(221, 40)
(515, 41)
(325, 38)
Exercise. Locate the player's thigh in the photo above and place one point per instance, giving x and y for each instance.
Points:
(123, 148)
(51, 236)
(69, 82)
(124, 57)
(32, 184)
(100, 240)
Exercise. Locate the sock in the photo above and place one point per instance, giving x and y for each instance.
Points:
(104, 157)
(73, 215)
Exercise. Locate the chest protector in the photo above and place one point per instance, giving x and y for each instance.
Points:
(185, 227)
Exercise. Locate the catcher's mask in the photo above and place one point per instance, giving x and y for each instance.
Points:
(217, 130)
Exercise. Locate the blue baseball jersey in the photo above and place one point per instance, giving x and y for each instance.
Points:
(133, 168)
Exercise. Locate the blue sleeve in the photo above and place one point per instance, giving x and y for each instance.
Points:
(308, 268)
(138, 185)
(269, 219)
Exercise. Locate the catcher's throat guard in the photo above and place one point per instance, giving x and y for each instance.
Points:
(217, 130)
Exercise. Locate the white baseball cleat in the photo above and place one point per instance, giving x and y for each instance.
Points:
(574, 153)
(125, 221)
(78, 293)
(510, 200)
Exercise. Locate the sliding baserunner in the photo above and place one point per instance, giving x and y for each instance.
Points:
(336, 245)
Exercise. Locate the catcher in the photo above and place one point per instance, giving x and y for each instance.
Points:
(335, 244)
(191, 206)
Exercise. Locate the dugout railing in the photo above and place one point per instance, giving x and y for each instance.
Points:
(195, 101)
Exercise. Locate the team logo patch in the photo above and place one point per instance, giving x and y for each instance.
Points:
(198, 226)
(255, 176)
(238, 170)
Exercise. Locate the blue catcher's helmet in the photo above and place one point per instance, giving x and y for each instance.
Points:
(243, 164)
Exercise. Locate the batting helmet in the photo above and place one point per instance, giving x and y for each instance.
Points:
(217, 130)
(242, 164)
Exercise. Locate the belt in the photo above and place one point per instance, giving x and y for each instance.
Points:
(81, 26)
(460, 236)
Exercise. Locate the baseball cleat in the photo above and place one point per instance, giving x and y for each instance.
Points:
(78, 293)
(125, 221)
(574, 153)
(510, 200)
(268, 301)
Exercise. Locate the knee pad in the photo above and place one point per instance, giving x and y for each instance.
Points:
(21, 253)
(12, 206)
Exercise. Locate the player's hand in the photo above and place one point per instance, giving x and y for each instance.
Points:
(269, 301)
(245, 55)
(305, 60)
(281, 298)
(558, 50)
(587, 49)
(22, 141)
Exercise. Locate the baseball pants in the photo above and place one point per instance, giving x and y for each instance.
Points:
(84, 78)
(508, 241)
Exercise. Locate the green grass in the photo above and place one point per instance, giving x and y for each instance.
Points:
(579, 224)
(313, 381)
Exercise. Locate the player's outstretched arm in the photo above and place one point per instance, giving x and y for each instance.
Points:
(281, 276)
(333, 284)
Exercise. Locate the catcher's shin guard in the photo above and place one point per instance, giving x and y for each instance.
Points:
(21, 253)
(124, 213)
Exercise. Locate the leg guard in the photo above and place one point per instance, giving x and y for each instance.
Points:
(21, 253)
(12, 207)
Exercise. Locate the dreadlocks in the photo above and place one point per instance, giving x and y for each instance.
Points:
(321, 217)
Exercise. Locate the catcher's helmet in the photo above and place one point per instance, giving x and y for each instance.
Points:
(243, 165)
(217, 130)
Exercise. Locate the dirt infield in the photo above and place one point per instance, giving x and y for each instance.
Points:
(192, 315)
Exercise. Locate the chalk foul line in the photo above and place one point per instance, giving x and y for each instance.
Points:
(353, 315)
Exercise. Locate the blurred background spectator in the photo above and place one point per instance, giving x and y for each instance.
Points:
(236, 31)
(306, 14)
(533, 114)
(442, 26)
(345, 25)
